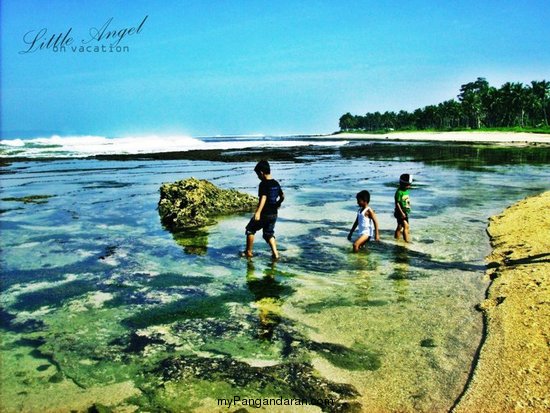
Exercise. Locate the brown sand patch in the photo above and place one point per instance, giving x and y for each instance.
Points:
(513, 371)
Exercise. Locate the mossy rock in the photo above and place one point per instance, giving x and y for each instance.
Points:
(100, 408)
(193, 203)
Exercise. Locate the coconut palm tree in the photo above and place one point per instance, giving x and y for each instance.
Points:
(541, 93)
(472, 96)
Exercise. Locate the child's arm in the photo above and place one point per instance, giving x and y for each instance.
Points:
(260, 207)
(353, 228)
(281, 199)
(399, 209)
(372, 216)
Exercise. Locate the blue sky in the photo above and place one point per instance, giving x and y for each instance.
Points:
(245, 67)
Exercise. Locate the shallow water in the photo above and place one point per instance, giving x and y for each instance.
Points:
(100, 304)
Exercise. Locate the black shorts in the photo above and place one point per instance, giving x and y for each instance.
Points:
(266, 223)
(399, 217)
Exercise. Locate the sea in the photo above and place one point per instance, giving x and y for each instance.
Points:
(103, 307)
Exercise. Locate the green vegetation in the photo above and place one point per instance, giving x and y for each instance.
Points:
(189, 307)
(513, 107)
(172, 280)
(355, 358)
(53, 296)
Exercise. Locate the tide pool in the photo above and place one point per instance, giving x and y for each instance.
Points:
(100, 304)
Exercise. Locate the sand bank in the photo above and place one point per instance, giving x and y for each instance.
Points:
(513, 370)
(493, 137)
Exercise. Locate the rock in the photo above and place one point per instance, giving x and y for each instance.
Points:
(99, 408)
(428, 342)
(297, 380)
(56, 378)
(192, 203)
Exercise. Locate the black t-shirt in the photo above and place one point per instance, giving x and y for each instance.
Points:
(272, 190)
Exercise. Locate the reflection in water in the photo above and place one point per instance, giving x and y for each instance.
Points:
(364, 265)
(461, 156)
(193, 242)
(267, 293)
(401, 272)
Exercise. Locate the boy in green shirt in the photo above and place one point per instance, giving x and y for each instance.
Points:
(403, 207)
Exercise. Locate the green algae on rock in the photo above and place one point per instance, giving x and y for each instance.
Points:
(290, 380)
(193, 203)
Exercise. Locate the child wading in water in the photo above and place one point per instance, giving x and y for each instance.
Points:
(271, 197)
(403, 207)
(366, 222)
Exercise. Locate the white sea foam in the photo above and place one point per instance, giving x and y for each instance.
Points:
(89, 145)
(12, 142)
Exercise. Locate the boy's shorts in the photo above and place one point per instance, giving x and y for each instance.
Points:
(266, 223)
(399, 218)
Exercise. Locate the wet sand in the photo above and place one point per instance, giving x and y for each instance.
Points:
(513, 370)
(492, 137)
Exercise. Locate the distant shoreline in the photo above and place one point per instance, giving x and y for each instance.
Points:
(467, 143)
(477, 137)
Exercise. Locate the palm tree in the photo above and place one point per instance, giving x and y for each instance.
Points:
(541, 93)
(348, 121)
(513, 104)
(404, 120)
(471, 97)
(520, 101)
(505, 105)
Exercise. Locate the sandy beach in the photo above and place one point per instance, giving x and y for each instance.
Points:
(490, 137)
(512, 373)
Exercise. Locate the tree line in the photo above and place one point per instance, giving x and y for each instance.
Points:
(479, 105)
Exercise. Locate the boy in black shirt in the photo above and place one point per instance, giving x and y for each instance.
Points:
(271, 197)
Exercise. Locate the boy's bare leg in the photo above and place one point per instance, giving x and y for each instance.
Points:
(359, 242)
(406, 234)
(249, 245)
(273, 244)
(398, 230)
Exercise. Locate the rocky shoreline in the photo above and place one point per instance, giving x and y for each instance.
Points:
(512, 372)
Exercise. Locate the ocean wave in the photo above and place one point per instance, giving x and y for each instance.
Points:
(90, 145)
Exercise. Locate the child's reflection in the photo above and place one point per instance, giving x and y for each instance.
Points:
(267, 293)
(401, 271)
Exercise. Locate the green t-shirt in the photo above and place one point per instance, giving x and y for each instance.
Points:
(402, 198)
